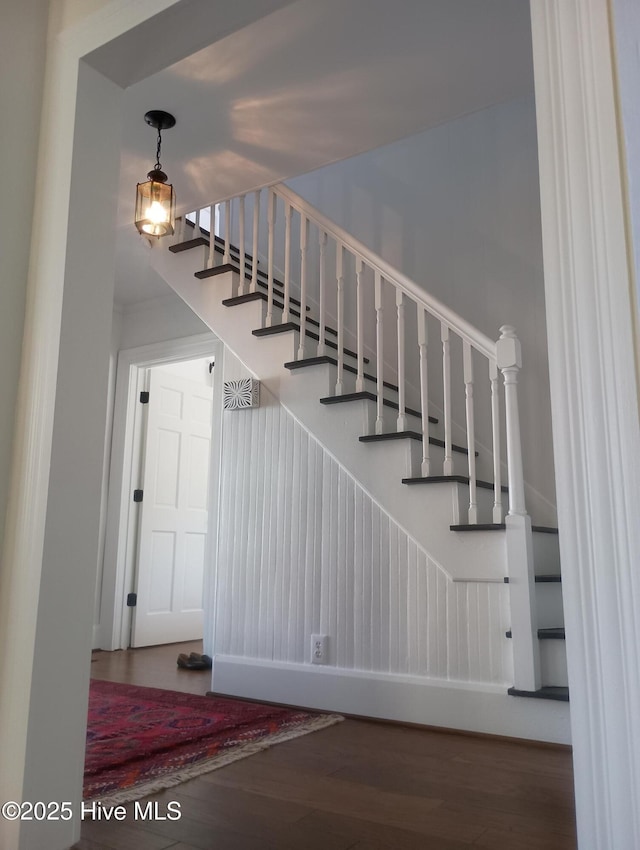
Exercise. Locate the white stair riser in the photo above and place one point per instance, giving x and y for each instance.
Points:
(553, 663)
(549, 605)
(546, 553)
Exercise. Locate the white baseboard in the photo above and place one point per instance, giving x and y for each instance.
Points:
(472, 707)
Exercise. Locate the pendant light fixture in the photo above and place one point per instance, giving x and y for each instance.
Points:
(155, 199)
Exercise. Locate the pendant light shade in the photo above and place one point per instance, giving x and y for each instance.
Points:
(155, 199)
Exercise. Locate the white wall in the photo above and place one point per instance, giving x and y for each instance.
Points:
(22, 56)
(157, 320)
(457, 210)
(626, 19)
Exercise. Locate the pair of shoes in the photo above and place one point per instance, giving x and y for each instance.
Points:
(194, 661)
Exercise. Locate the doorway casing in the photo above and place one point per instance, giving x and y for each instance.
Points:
(121, 538)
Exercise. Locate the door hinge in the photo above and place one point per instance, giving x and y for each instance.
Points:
(137, 495)
(144, 397)
(132, 600)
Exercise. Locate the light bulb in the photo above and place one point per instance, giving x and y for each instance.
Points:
(156, 213)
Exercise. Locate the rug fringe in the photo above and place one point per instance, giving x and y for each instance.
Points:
(136, 792)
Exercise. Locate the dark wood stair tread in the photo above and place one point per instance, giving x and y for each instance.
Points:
(548, 578)
(551, 634)
(544, 529)
(411, 435)
(256, 296)
(179, 247)
(293, 326)
(480, 526)
(549, 692)
(325, 358)
(365, 395)
(460, 479)
(545, 634)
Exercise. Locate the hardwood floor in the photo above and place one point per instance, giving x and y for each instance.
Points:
(355, 786)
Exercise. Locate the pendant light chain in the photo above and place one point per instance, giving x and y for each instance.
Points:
(159, 145)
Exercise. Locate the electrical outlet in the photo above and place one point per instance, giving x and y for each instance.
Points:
(319, 649)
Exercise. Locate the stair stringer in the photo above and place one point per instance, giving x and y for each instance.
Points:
(425, 516)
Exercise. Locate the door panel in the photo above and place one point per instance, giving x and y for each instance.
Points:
(173, 518)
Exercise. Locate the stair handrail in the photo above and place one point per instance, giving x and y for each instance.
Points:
(481, 342)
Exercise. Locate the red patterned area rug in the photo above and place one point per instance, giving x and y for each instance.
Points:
(141, 740)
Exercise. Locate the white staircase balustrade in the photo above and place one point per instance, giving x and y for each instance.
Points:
(350, 313)
(347, 310)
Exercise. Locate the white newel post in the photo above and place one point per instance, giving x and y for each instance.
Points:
(510, 362)
(526, 649)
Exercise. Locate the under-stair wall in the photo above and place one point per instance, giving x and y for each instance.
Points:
(304, 550)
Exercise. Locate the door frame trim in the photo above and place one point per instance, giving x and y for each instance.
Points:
(121, 539)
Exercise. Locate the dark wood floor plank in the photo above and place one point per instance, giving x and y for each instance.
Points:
(124, 835)
(357, 830)
(501, 840)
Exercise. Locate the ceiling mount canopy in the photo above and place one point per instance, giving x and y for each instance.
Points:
(155, 199)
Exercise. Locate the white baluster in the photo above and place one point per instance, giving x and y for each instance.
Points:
(379, 353)
(241, 247)
(271, 221)
(360, 324)
(322, 240)
(402, 418)
(287, 260)
(467, 359)
(304, 241)
(227, 232)
(424, 389)
(196, 227)
(211, 258)
(340, 316)
(254, 249)
(447, 468)
(495, 430)
(509, 359)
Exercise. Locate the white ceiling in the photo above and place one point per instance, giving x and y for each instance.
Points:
(309, 84)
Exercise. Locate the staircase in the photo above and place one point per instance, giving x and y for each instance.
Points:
(402, 391)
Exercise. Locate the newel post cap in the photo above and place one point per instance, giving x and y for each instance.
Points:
(508, 351)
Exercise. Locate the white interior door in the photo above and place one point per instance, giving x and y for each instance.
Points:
(173, 518)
